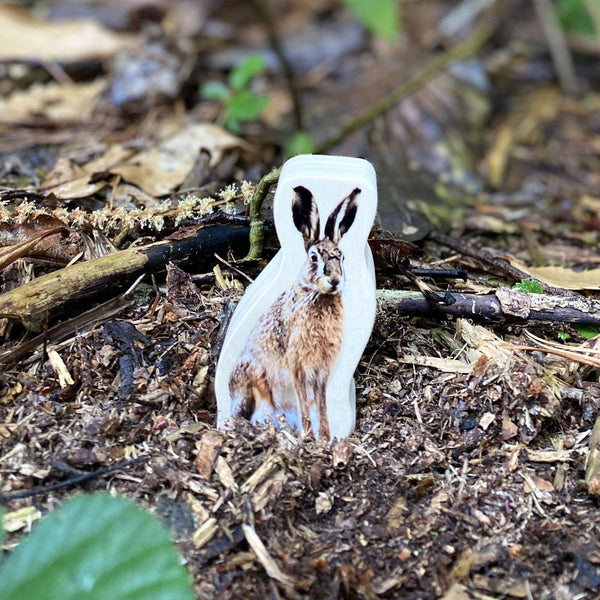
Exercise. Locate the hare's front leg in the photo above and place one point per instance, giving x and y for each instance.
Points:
(300, 385)
(321, 405)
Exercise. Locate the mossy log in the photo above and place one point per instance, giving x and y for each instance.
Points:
(35, 302)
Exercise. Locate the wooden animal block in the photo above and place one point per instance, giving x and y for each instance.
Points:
(298, 333)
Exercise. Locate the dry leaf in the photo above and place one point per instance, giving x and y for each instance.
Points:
(209, 447)
(53, 102)
(20, 518)
(486, 420)
(12, 253)
(30, 40)
(161, 169)
(562, 277)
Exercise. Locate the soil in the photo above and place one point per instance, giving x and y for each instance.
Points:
(455, 485)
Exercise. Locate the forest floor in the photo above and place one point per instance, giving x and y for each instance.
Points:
(471, 471)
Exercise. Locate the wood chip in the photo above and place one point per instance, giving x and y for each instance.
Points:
(592, 465)
(266, 469)
(266, 560)
(446, 365)
(509, 429)
(548, 456)
(223, 471)
(323, 503)
(515, 589)
(396, 515)
(209, 446)
(486, 420)
(457, 592)
(205, 532)
(64, 377)
(268, 491)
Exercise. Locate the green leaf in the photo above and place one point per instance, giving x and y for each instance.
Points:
(214, 90)
(2, 512)
(300, 143)
(381, 17)
(529, 286)
(96, 548)
(563, 336)
(245, 105)
(574, 17)
(243, 74)
(586, 331)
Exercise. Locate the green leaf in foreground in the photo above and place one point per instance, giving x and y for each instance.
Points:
(381, 17)
(529, 286)
(96, 547)
(2, 511)
(586, 331)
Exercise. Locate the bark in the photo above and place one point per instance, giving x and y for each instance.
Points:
(502, 306)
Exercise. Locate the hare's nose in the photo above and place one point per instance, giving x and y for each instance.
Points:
(334, 282)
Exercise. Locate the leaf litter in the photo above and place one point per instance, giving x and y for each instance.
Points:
(473, 471)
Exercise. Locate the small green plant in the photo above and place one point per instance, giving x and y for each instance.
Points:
(95, 547)
(381, 17)
(529, 286)
(586, 331)
(300, 143)
(579, 16)
(563, 336)
(241, 104)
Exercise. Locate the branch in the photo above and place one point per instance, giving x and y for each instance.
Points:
(558, 46)
(461, 51)
(503, 305)
(46, 489)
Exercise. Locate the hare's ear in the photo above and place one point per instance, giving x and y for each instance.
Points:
(306, 215)
(342, 217)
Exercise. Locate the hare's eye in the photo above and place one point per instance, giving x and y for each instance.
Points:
(314, 258)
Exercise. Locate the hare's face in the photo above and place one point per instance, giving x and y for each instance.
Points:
(324, 268)
(323, 271)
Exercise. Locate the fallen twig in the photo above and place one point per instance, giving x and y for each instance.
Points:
(45, 489)
(63, 331)
(497, 307)
(494, 264)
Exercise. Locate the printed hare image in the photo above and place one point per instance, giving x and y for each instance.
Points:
(289, 355)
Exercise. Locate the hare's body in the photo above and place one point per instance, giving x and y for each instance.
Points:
(282, 351)
(291, 351)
